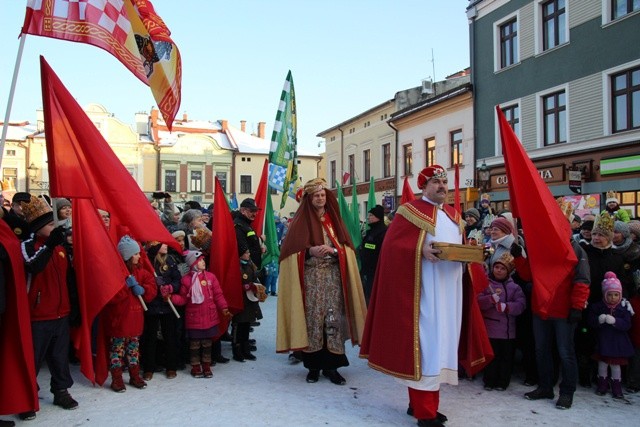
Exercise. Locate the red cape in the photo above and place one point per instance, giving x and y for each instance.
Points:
(18, 391)
(391, 341)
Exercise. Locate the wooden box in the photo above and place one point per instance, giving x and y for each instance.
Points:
(456, 252)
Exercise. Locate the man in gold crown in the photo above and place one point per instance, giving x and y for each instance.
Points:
(321, 301)
(46, 265)
(415, 313)
(612, 208)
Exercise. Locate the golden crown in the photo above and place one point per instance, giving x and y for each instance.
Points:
(315, 185)
(35, 208)
(603, 224)
(566, 208)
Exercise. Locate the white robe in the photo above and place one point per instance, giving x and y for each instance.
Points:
(440, 313)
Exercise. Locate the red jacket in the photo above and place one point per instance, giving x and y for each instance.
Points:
(204, 315)
(124, 315)
(48, 293)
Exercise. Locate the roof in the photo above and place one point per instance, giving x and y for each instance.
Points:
(19, 131)
(431, 101)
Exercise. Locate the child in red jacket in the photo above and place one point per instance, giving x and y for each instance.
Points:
(200, 291)
(125, 317)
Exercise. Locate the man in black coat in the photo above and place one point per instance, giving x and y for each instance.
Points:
(245, 234)
(14, 217)
(370, 249)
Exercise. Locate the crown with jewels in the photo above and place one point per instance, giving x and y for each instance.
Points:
(612, 197)
(603, 225)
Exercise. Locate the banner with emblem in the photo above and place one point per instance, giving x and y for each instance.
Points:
(130, 30)
(283, 154)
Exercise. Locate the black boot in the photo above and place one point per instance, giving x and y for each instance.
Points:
(238, 355)
(246, 351)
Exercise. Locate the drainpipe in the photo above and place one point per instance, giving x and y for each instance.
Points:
(341, 156)
(395, 188)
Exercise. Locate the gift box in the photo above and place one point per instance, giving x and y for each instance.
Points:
(462, 253)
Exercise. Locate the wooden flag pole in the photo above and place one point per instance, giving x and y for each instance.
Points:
(14, 80)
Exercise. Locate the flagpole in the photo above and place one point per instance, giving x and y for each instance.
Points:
(14, 80)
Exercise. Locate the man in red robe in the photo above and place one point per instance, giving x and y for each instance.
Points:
(414, 320)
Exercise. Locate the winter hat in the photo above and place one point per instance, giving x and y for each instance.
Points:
(128, 247)
(611, 197)
(192, 258)
(610, 283)
(604, 226)
(587, 225)
(503, 225)
(37, 213)
(433, 171)
(634, 228)
(622, 228)
(507, 260)
(474, 213)
(484, 198)
(242, 248)
(178, 233)
(21, 196)
(192, 204)
(250, 204)
(378, 212)
(62, 203)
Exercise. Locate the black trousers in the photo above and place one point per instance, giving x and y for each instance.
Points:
(149, 348)
(498, 372)
(51, 344)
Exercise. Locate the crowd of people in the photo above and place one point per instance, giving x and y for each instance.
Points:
(395, 296)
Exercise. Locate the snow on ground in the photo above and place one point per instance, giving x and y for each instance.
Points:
(272, 392)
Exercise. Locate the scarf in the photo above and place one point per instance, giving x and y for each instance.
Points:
(197, 297)
(625, 245)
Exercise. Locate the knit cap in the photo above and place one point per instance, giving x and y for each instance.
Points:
(128, 247)
(474, 213)
(610, 283)
(622, 228)
(634, 228)
(377, 211)
(503, 225)
(192, 258)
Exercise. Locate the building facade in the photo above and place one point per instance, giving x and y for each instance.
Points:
(566, 73)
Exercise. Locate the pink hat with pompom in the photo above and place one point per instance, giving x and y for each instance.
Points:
(610, 283)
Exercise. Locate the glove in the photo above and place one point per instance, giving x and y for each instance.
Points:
(626, 304)
(575, 316)
(159, 280)
(609, 319)
(137, 290)
(131, 282)
(516, 250)
(166, 290)
(601, 318)
(56, 237)
(495, 298)
(501, 307)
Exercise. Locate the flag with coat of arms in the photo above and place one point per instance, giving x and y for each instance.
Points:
(283, 154)
(130, 30)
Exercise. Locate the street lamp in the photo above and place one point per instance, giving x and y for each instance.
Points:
(32, 170)
(484, 176)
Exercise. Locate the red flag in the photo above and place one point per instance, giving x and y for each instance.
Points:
(224, 261)
(79, 159)
(130, 30)
(100, 273)
(18, 391)
(261, 199)
(552, 259)
(407, 192)
(345, 178)
(456, 191)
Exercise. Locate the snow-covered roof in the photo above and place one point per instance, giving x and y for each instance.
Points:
(20, 131)
(247, 143)
(169, 139)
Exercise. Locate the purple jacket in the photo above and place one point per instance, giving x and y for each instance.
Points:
(502, 325)
(204, 315)
(613, 340)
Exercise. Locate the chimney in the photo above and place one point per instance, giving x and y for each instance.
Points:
(243, 125)
(261, 129)
(154, 117)
(224, 125)
(184, 117)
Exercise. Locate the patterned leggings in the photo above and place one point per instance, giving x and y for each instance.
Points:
(200, 351)
(121, 346)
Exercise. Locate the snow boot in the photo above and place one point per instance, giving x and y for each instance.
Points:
(246, 351)
(63, 399)
(196, 371)
(603, 386)
(238, 355)
(134, 377)
(616, 389)
(206, 370)
(117, 384)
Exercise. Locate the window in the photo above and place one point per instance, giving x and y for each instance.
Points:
(554, 22)
(245, 184)
(386, 160)
(367, 164)
(512, 114)
(196, 181)
(509, 43)
(625, 88)
(222, 177)
(170, 180)
(554, 113)
(430, 150)
(11, 153)
(620, 8)
(352, 169)
(9, 174)
(456, 147)
(332, 173)
(407, 157)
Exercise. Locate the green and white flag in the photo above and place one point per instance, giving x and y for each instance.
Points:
(283, 154)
